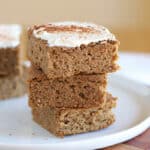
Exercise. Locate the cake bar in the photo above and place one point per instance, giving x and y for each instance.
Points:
(70, 48)
(78, 91)
(10, 50)
(61, 121)
(14, 85)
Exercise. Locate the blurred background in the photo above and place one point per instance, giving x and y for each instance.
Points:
(128, 19)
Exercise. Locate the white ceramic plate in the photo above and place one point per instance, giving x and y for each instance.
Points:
(19, 132)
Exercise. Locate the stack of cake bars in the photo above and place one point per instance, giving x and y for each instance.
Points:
(13, 72)
(68, 76)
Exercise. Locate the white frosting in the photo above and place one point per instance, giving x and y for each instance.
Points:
(9, 35)
(27, 63)
(73, 38)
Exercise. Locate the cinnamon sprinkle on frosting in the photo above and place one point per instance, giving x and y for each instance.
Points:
(71, 34)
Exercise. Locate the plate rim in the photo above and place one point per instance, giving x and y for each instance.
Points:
(124, 135)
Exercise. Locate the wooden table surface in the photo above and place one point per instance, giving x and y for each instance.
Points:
(141, 142)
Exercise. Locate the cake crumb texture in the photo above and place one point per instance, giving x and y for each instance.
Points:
(61, 121)
(72, 92)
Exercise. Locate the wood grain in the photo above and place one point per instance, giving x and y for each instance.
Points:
(141, 142)
(122, 147)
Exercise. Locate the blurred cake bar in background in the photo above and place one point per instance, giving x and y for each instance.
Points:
(79, 91)
(13, 70)
(65, 121)
(65, 49)
(14, 85)
(10, 49)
